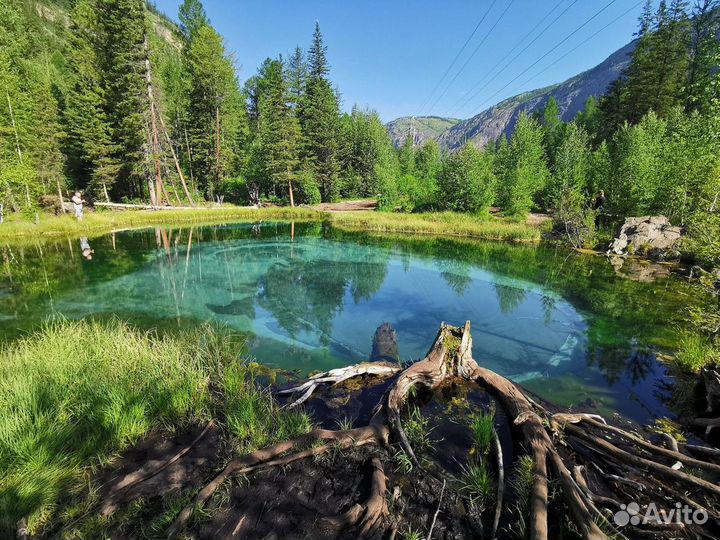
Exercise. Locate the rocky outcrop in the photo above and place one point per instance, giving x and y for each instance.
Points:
(422, 128)
(648, 235)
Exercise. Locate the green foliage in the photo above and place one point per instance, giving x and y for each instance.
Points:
(521, 167)
(477, 481)
(217, 119)
(368, 158)
(466, 181)
(192, 17)
(278, 133)
(417, 431)
(482, 426)
(319, 115)
(75, 393)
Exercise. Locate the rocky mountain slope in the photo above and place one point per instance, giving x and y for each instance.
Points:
(424, 128)
(500, 119)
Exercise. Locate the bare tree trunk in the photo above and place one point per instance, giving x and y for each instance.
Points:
(187, 144)
(177, 163)
(290, 189)
(12, 119)
(217, 144)
(159, 188)
(59, 188)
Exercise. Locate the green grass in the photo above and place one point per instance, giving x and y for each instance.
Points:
(476, 480)
(102, 222)
(75, 394)
(105, 221)
(695, 352)
(438, 224)
(482, 430)
(417, 430)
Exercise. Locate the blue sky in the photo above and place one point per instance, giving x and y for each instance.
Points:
(390, 55)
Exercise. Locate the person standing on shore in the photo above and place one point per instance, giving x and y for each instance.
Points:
(78, 201)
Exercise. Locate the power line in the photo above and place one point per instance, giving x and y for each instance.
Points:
(550, 51)
(510, 63)
(457, 56)
(487, 73)
(616, 19)
(471, 56)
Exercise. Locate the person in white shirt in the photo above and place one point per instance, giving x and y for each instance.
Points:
(78, 201)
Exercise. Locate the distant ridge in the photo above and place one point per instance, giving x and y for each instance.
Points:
(500, 119)
(424, 127)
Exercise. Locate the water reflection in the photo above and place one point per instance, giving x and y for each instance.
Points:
(311, 297)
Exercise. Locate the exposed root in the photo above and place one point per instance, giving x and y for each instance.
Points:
(137, 477)
(369, 515)
(338, 376)
(497, 447)
(563, 446)
(266, 458)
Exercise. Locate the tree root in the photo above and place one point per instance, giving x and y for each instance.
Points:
(337, 376)
(138, 477)
(562, 445)
(266, 457)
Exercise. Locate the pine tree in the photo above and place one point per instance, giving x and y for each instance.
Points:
(553, 129)
(278, 132)
(704, 55)
(122, 63)
(192, 16)
(217, 118)
(320, 121)
(296, 76)
(91, 161)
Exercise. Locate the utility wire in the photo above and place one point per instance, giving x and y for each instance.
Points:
(477, 48)
(616, 19)
(457, 56)
(597, 13)
(499, 62)
(510, 63)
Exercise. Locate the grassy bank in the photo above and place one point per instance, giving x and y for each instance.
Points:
(76, 393)
(438, 224)
(105, 221)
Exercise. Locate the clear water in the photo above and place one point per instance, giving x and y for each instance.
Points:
(310, 298)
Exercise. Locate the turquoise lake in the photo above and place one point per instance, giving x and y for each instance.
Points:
(310, 297)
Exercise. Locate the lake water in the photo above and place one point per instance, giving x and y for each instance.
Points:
(310, 298)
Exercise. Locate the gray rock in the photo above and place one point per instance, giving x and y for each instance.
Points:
(643, 235)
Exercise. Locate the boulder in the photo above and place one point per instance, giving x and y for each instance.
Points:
(646, 235)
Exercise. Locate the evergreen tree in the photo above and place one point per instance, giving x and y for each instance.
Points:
(218, 122)
(122, 64)
(320, 122)
(553, 129)
(278, 133)
(368, 160)
(296, 76)
(192, 16)
(704, 56)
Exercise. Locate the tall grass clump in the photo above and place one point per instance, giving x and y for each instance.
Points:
(253, 418)
(76, 393)
(482, 430)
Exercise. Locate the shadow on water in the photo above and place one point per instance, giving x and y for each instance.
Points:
(309, 297)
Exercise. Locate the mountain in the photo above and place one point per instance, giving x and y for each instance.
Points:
(500, 119)
(570, 95)
(424, 127)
